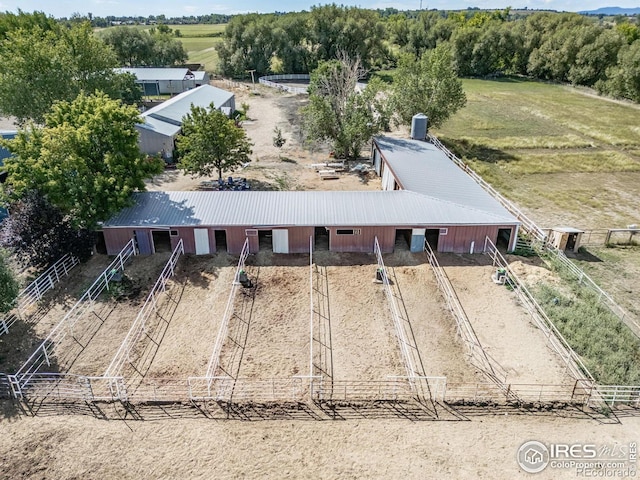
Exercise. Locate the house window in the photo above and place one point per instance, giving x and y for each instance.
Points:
(174, 233)
(251, 233)
(444, 231)
(352, 231)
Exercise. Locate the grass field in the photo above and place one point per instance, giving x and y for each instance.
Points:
(199, 42)
(562, 154)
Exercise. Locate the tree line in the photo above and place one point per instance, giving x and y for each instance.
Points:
(561, 47)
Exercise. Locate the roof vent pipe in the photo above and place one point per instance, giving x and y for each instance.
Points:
(419, 124)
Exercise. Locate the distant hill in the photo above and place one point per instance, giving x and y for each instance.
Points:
(612, 11)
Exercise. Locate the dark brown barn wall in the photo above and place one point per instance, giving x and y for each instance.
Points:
(299, 239)
(235, 240)
(364, 241)
(459, 238)
(116, 238)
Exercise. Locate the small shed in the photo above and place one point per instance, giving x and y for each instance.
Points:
(566, 238)
(162, 123)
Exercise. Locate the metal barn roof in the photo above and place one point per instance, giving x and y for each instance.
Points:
(423, 168)
(173, 110)
(311, 208)
(151, 74)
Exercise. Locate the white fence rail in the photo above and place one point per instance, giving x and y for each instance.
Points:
(34, 292)
(412, 366)
(539, 239)
(572, 361)
(214, 361)
(148, 309)
(465, 330)
(44, 352)
(273, 82)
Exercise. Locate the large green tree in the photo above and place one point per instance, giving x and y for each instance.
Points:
(9, 287)
(340, 111)
(42, 65)
(85, 159)
(211, 142)
(428, 85)
(135, 47)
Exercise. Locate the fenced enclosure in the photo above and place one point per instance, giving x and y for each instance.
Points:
(273, 82)
(572, 361)
(34, 292)
(44, 352)
(150, 307)
(214, 361)
(477, 355)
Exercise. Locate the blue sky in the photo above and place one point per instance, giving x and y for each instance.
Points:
(171, 8)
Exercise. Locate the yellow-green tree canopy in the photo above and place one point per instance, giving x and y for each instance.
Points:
(85, 159)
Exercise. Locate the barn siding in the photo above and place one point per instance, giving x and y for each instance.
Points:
(459, 238)
(153, 143)
(235, 239)
(299, 239)
(116, 238)
(188, 239)
(363, 242)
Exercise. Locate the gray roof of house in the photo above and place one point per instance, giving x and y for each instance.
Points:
(310, 208)
(423, 168)
(150, 74)
(173, 110)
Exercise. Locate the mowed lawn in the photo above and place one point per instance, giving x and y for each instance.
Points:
(565, 156)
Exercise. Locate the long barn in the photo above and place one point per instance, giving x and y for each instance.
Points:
(284, 222)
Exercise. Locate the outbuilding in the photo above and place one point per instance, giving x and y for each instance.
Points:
(162, 123)
(421, 167)
(293, 222)
(167, 81)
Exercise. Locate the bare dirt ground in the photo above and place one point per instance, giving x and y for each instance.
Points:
(271, 340)
(502, 325)
(186, 345)
(481, 447)
(272, 168)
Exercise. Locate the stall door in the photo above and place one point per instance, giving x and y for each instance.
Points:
(202, 241)
(143, 239)
(280, 241)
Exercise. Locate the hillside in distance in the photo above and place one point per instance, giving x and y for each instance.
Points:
(612, 11)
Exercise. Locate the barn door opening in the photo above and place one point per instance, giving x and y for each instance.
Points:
(201, 236)
(504, 238)
(101, 244)
(161, 241)
(265, 240)
(280, 240)
(321, 240)
(221, 240)
(403, 239)
(432, 235)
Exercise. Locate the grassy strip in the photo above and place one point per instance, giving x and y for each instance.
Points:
(609, 349)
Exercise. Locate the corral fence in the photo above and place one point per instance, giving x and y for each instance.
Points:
(68, 387)
(149, 308)
(408, 348)
(572, 361)
(273, 81)
(478, 356)
(214, 361)
(539, 239)
(242, 390)
(583, 279)
(44, 352)
(34, 292)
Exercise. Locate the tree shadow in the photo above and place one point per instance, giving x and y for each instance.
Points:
(468, 149)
